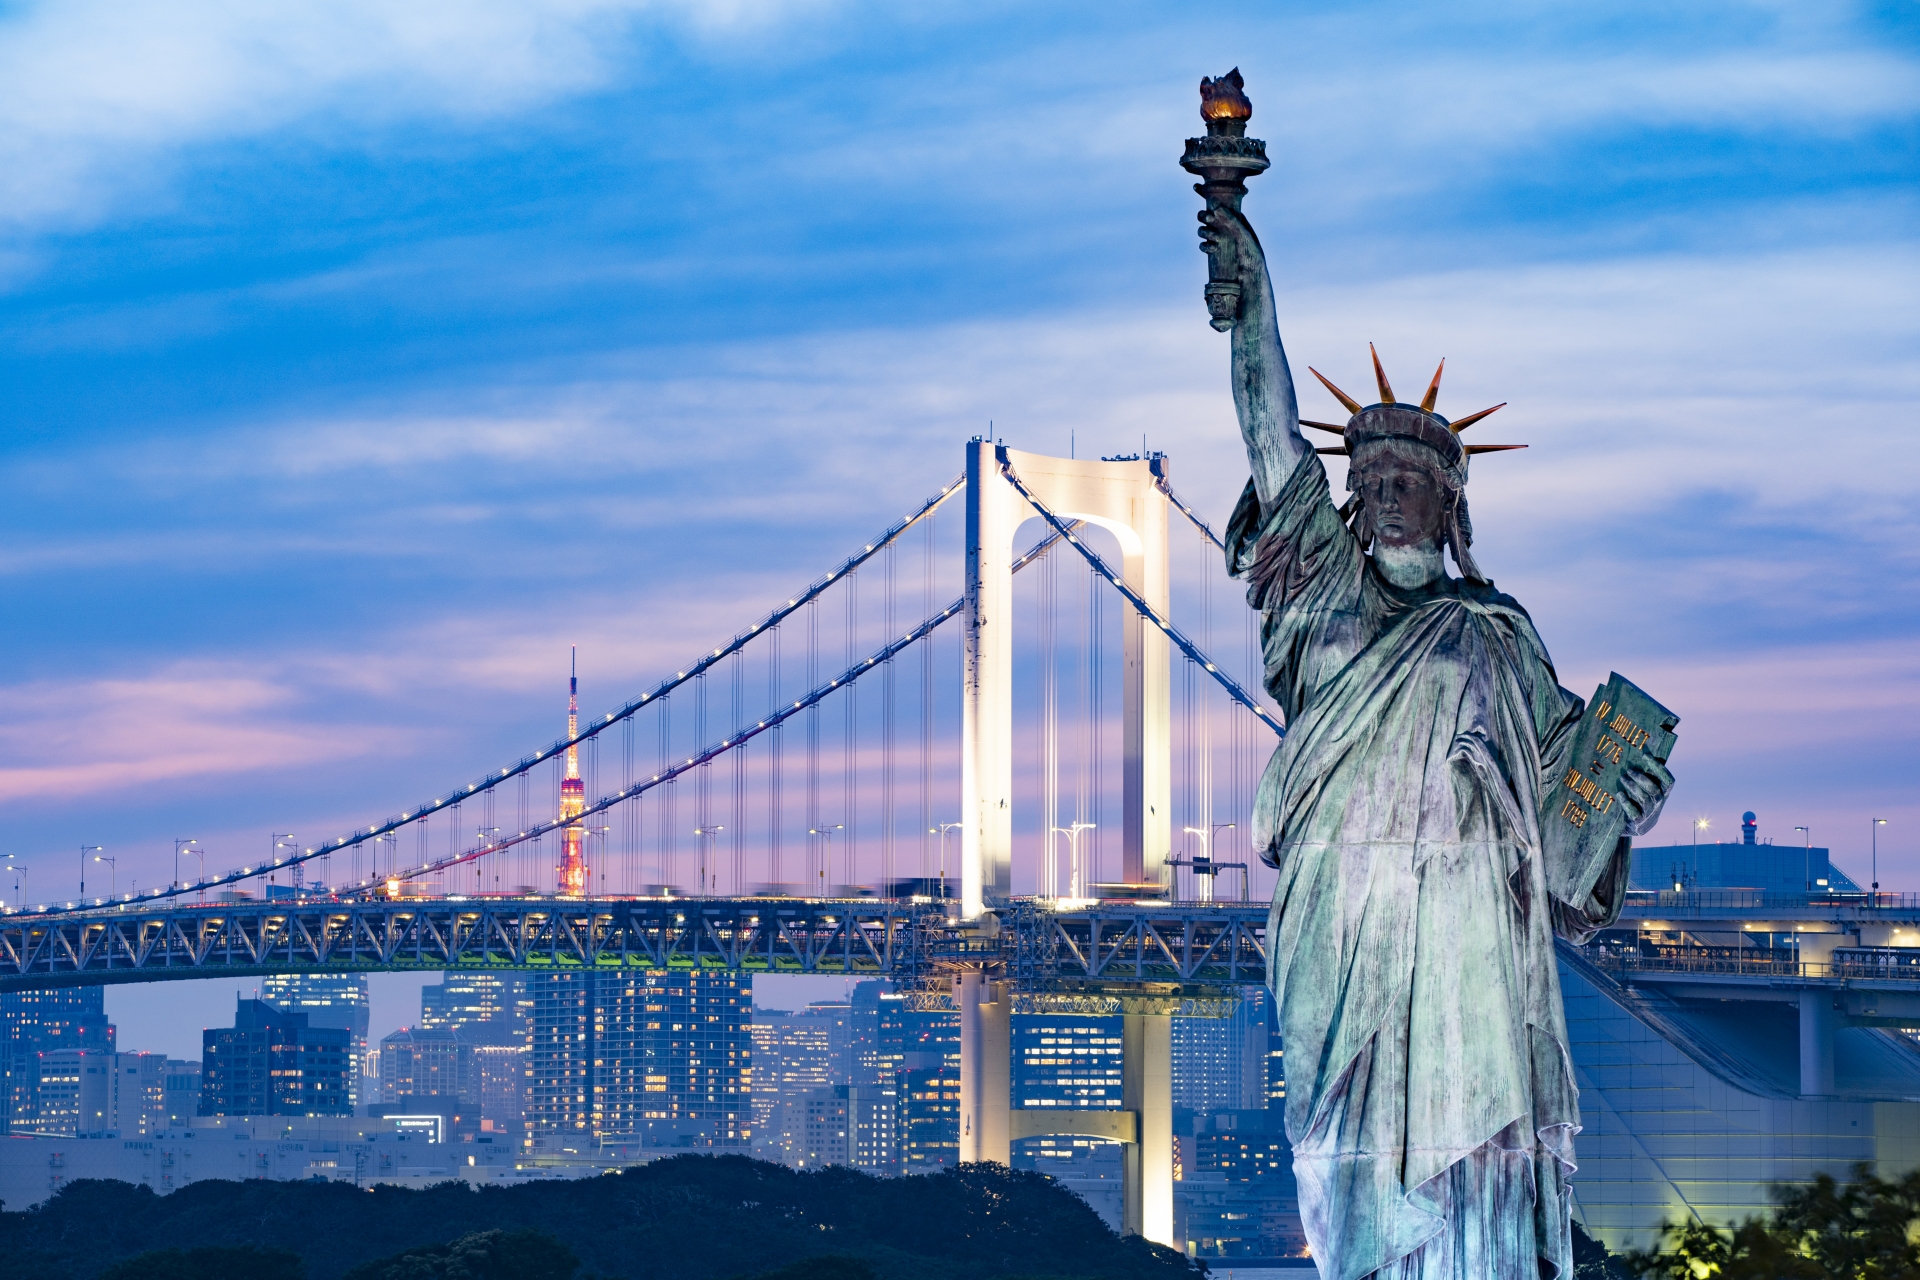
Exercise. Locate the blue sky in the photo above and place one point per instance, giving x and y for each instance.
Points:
(357, 363)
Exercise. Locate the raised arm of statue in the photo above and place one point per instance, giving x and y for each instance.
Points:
(1262, 383)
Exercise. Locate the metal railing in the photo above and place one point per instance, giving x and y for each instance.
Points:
(1870, 964)
(1641, 903)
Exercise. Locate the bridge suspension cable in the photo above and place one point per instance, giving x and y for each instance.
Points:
(806, 702)
(1132, 597)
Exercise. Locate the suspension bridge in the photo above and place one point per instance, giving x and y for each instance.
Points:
(1123, 905)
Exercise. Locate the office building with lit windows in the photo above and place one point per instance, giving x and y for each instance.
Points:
(337, 1000)
(37, 1022)
(275, 1063)
(639, 1055)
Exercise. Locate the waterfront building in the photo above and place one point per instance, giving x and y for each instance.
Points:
(1692, 1108)
(1750, 863)
(275, 1063)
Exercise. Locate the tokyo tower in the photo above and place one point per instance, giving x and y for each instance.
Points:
(573, 796)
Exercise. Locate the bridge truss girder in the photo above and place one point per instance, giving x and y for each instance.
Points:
(1186, 958)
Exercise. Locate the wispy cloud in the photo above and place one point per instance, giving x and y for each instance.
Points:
(102, 97)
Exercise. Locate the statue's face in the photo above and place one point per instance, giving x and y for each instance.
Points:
(1406, 504)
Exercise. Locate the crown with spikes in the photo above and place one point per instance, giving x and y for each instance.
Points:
(1391, 419)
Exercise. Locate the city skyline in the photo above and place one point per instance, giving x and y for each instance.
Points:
(472, 314)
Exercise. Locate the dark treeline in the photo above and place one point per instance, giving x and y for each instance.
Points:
(687, 1218)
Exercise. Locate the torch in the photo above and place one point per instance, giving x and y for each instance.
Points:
(1223, 161)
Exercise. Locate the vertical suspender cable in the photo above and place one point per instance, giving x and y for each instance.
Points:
(1049, 724)
(739, 819)
(849, 799)
(889, 585)
(1203, 712)
(775, 816)
(705, 848)
(816, 874)
(927, 652)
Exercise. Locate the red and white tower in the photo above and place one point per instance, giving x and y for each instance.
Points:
(573, 797)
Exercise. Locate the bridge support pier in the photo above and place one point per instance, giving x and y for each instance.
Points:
(986, 1067)
(1818, 1023)
(1146, 1086)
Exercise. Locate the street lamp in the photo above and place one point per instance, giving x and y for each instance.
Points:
(1877, 824)
(827, 833)
(19, 885)
(943, 828)
(1808, 833)
(1204, 865)
(86, 849)
(706, 833)
(486, 842)
(113, 873)
(1072, 833)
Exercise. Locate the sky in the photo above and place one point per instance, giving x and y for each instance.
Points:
(356, 360)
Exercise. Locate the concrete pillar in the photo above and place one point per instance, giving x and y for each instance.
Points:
(986, 719)
(1124, 498)
(1146, 1076)
(1818, 1023)
(986, 1067)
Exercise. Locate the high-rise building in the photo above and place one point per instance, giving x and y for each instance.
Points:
(36, 1022)
(1220, 1064)
(274, 1063)
(614, 1055)
(91, 1092)
(485, 1008)
(418, 1063)
(329, 1000)
(1066, 1060)
(927, 1123)
(792, 1054)
(877, 1033)
(502, 1073)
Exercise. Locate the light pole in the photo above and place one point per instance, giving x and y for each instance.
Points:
(201, 853)
(943, 828)
(1808, 833)
(113, 873)
(486, 835)
(827, 861)
(19, 885)
(706, 834)
(1877, 824)
(280, 839)
(1204, 865)
(178, 845)
(86, 849)
(1072, 833)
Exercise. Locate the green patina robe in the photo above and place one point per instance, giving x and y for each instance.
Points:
(1430, 1098)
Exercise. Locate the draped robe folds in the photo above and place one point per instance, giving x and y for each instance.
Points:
(1430, 1098)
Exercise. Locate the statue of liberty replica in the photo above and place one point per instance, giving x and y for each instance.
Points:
(1433, 811)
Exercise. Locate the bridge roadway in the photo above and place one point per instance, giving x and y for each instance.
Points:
(1107, 949)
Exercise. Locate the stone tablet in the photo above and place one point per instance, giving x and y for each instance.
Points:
(1581, 819)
